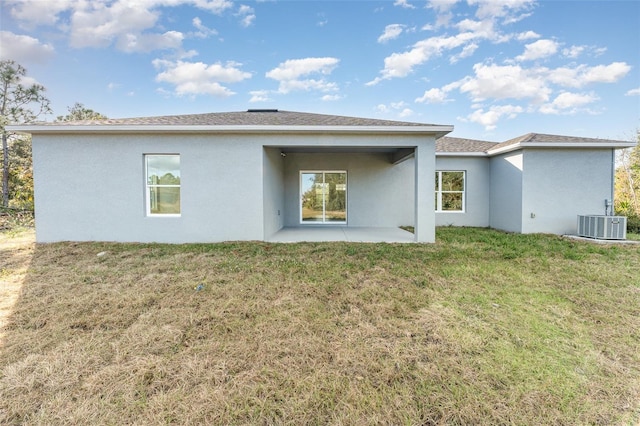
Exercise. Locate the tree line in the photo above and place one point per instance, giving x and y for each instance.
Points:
(24, 103)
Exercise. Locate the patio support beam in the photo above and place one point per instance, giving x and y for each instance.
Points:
(401, 155)
(425, 166)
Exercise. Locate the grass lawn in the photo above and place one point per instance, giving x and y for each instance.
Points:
(482, 327)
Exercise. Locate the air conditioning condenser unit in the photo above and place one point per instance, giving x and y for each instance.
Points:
(602, 227)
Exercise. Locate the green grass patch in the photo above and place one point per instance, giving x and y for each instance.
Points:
(482, 327)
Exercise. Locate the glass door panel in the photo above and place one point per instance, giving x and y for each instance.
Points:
(323, 197)
(312, 187)
(335, 197)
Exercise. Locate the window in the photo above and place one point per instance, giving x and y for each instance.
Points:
(323, 196)
(163, 184)
(450, 191)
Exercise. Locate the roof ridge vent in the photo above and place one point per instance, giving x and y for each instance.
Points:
(262, 110)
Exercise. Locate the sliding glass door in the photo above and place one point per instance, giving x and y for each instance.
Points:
(323, 196)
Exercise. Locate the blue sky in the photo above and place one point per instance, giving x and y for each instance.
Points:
(493, 69)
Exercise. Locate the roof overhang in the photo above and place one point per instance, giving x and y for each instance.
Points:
(570, 145)
(34, 129)
(462, 154)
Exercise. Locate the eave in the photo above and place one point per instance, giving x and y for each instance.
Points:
(570, 145)
(462, 154)
(436, 131)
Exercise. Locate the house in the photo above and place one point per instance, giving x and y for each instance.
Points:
(255, 174)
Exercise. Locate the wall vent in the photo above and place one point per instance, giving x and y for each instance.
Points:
(602, 227)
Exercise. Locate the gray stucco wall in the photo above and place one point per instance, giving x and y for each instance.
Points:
(506, 192)
(477, 191)
(233, 187)
(379, 193)
(92, 188)
(273, 173)
(560, 184)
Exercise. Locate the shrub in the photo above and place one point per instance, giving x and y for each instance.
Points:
(11, 219)
(633, 223)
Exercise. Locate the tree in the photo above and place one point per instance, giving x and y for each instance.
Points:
(627, 186)
(79, 112)
(628, 181)
(18, 104)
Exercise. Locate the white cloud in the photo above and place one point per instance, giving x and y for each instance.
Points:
(467, 51)
(259, 96)
(489, 119)
(99, 25)
(510, 10)
(23, 48)
(127, 24)
(606, 73)
(331, 98)
(247, 15)
(289, 74)
(441, 6)
(295, 68)
(433, 96)
(214, 6)
(203, 30)
(391, 32)
(38, 12)
(443, 11)
(573, 51)
(505, 82)
(198, 78)
(406, 112)
(538, 49)
(399, 109)
(633, 92)
(404, 4)
(482, 29)
(568, 103)
(471, 32)
(536, 86)
(582, 75)
(320, 85)
(402, 64)
(571, 100)
(527, 35)
(150, 42)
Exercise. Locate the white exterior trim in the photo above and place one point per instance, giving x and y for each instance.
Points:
(111, 129)
(551, 145)
(439, 191)
(346, 204)
(147, 188)
(462, 154)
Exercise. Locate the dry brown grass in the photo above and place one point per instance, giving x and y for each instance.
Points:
(481, 328)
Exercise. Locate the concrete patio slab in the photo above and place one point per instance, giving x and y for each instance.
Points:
(600, 241)
(342, 233)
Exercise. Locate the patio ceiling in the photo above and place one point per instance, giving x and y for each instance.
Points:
(396, 154)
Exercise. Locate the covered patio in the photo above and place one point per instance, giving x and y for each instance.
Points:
(356, 234)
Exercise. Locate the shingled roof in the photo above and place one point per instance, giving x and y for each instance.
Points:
(258, 117)
(541, 139)
(273, 120)
(448, 144)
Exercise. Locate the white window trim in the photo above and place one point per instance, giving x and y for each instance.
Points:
(148, 192)
(323, 223)
(439, 192)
